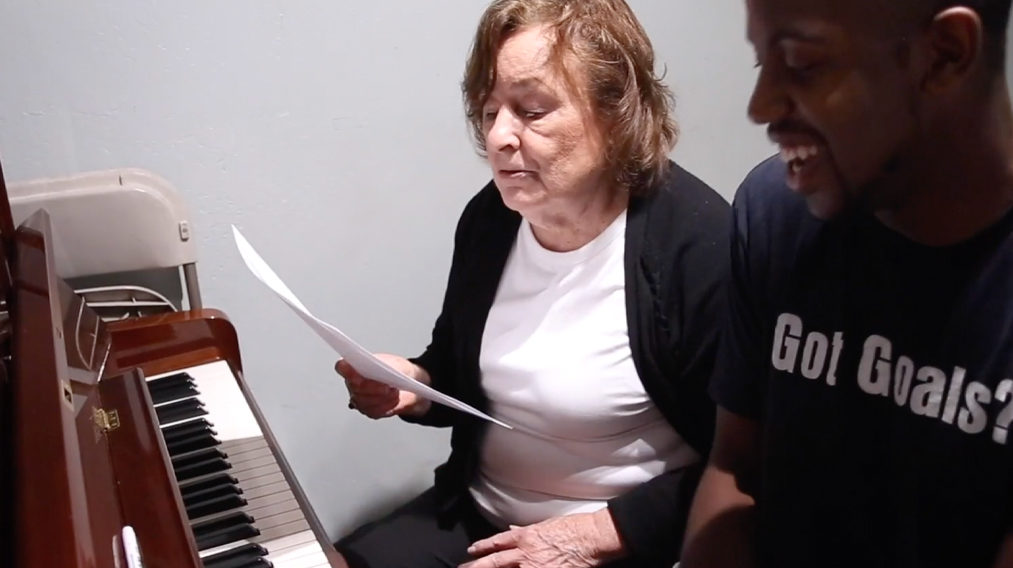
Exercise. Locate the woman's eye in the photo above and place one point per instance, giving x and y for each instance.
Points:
(489, 116)
(532, 114)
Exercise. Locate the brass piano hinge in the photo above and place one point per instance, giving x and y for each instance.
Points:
(107, 420)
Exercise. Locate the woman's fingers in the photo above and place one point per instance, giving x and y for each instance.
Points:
(372, 398)
(359, 386)
(376, 406)
(345, 369)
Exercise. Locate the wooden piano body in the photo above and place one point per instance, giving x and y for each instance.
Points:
(104, 462)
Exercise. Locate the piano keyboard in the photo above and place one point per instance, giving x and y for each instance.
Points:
(241, 509)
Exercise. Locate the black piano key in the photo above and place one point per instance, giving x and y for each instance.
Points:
(193, 443)
(182, 414)
(197, 457)
(179, 406)
(257, 563)
(225, 536)
(198, 469)
(175, 411)
(170, 381)
(208, 482)
(214, 505)
(223, 530)
(224, 488)
(163, 396)
(235, 557)
(244, 562)
(234, 519)
(187, 429)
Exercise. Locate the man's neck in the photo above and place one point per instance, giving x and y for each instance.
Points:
(965, 184)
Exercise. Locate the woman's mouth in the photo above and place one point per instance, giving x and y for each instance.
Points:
(516, 174)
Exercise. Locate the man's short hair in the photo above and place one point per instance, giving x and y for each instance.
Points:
(614, 75)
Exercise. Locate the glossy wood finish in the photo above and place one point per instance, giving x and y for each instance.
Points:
(163, 343)
(77, 485)
(145, 481)
(55, 524)
(103, 513)
(6, 472)
(6, 428)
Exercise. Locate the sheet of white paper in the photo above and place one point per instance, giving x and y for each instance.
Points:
(363, 361)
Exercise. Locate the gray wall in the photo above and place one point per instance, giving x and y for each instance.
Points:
(331, 133)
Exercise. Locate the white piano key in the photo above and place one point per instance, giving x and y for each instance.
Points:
(224, 401)
(293, 540)
(245, 454)
(300, 550)
(241, 459)
(272, 533)
(317, 561)
(263, 490)
(251, 473)
(280, 519)
(264, 481)
(267, 501)
(257, 462)
(245, 444)
(310, 556)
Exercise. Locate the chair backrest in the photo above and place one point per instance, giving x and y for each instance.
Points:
(122, 221)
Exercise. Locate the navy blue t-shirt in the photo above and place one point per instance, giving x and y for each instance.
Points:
(881, 371)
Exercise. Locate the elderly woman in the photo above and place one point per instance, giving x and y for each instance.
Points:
(582, 308)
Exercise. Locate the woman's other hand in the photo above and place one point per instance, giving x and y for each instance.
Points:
(572, 541)
(377, 400)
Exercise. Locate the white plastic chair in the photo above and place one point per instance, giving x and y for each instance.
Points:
(114, 225)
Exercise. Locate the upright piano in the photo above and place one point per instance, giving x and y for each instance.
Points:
(132, 443)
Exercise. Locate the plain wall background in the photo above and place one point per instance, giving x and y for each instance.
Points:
(332, 134)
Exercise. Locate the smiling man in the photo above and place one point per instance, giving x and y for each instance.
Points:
(865, 386)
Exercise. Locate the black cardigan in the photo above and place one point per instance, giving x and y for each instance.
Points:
(675, 258)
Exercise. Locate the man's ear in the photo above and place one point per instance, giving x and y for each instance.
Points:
(956, 44)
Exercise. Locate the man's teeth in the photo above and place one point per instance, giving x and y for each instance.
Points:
(789, 154)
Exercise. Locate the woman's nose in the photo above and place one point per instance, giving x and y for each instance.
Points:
(504, 131)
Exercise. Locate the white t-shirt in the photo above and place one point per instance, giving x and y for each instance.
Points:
(556, 364)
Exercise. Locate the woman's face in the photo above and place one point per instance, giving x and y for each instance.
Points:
(545, 149)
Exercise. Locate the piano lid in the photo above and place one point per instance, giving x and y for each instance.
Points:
(86, 458)
(58, 449)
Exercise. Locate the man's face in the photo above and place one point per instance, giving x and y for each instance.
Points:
(836, 89)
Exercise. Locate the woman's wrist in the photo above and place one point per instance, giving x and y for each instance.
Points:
(421, 405)
(609, 545)
(420, 408)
